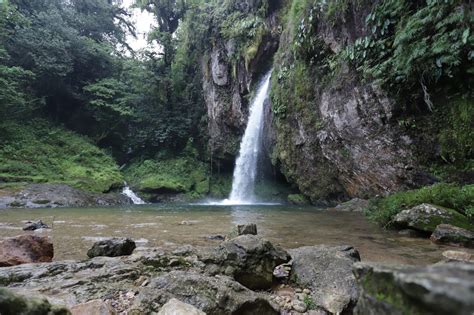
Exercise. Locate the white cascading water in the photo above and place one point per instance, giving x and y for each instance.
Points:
(245, 172)
(133, 196)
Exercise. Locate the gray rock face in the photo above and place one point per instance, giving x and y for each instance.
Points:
(427, 217)
(243, 229)
(176, 307)
(25, 249)
(112, 247)
(56, 195)
(452, 235)
(14, 304)
(327, 271)
(212, 295)
(353, 205)
(249, 259)
(437, 289)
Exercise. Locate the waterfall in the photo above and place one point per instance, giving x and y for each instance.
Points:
(245, 172)
(130, 194)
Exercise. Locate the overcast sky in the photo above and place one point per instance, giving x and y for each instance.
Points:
(143, 23)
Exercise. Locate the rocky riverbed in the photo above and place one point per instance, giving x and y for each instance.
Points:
(246, 274)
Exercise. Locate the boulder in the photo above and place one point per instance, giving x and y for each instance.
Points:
(353, 205)
(94, 307)
(457, 255)
(250, 259)
(243, 229)
(427, 217)
(452, 235)
(35, 225)
(25, 249)
(437, 289)
(13, 304)
(112, 247)
(298, 199)
(327, 272)
(210, 294)
(176, 307)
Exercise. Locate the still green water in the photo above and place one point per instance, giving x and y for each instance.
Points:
(171, 225)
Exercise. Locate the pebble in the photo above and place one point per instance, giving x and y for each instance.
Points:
(298, 290)
(306, 291)
(300, 296)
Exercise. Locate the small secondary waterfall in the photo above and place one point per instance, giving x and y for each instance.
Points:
(245, 171)
(130, 194)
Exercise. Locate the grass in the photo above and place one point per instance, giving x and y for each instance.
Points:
(459, 198)
(39, 153)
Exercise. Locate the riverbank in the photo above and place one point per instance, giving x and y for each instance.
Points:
(245, 275)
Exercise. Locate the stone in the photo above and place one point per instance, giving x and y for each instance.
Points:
(216, 237)
(353, 205)
(94, 307)
(327, 272)
(35, 225)
(298, 199)
(112, 247)
(411, 233)
(282, 272)
(210, 294)
(445, 288)
(299, 306)
(25, 249)
(176, 307)
(427, 217)
(243, 229)
(253, 259)
(457, 255)
(13, 304)
(453, 235)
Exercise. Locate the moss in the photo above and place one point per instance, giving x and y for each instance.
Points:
(184, 174)
(460, 198)
(221, 185)
(37, 152)
(298, 199)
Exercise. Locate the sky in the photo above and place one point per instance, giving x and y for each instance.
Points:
(143, 22)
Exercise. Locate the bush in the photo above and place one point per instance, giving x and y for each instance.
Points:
(460, 198)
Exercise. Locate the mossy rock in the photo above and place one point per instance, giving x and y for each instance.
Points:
(298, 199)
(427, 217)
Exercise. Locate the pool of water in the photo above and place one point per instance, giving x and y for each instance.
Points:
(169, 225)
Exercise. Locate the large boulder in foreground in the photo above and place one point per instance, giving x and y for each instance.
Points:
(112, 247)
(452, 235)
(250, 259)
(25, 249)
(327, 271)
(210, 294)
(176, 307)
(438, 289)
(14, 304)
(427, 217)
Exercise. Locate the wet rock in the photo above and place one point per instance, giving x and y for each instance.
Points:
(58, 195)
(112, 247)
(457, 255)
(427, 217)
(327, 271)
(437, 289)
(35, 225)
(211, 294)
(250, 259)
(453, 235)
(298, 199)
(217, 237)
(242, 229)
(13, 304)
(353, 205)
(176, 307)
(25, 249)
(411, 233)
(94, 307)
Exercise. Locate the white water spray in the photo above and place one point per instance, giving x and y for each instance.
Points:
(130, 194)
(245, 172)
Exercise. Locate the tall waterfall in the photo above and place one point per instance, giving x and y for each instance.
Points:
(245, 171)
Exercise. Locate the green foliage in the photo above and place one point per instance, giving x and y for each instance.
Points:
(460, 198)
(456, 134)
(169, 175)
(310, 304)
(38, 152)
(413, 47)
